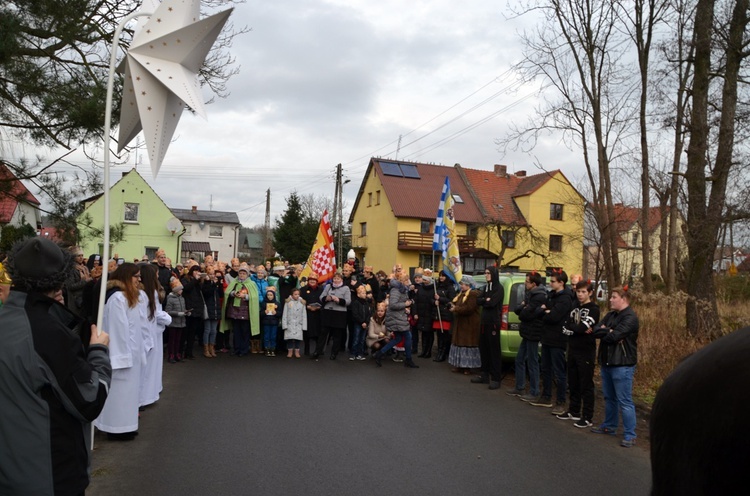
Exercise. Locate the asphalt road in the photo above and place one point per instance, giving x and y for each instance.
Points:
(278, 426)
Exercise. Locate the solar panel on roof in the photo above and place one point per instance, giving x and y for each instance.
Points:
(391, 169)
(410, 170)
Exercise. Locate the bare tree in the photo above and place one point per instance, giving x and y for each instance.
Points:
(705, 209)
(578, 52)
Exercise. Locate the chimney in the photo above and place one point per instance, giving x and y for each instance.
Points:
(195, 209)
(501, 170)
(521, 174)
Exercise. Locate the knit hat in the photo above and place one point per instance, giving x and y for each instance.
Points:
(38, 264)
(175, 284)
(244, 267)
(350, 255)
(427, 280)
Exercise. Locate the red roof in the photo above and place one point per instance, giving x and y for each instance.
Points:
(420, 197)
(627, 217)
(496, 192)
(12, 192)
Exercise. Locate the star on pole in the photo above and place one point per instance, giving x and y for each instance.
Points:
(161, 73)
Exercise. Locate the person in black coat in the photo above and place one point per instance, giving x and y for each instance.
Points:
(554, 342)
(311, 292)
(424, 302)
(491, 301)
(192, 283)
(213, 291)
(442, 317)
(530, 313)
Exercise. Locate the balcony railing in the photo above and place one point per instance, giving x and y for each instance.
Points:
(408, 240)
(359, 241)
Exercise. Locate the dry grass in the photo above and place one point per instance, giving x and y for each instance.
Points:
(663, 340)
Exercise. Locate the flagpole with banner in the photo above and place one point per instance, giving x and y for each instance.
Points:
(445, 239)
(322, 259)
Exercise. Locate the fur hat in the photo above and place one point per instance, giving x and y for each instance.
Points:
(4, 277)
(175, 284)
(38, 264)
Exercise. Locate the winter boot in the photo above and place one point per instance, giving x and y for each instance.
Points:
(212, 350)
(206, 353)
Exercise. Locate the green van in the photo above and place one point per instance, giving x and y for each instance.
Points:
(514, 291)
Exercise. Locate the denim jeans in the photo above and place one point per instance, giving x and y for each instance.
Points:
(209, 331)
(528, 359)
(269, 336)
(617, 384)
(358, 337)
(397, 336)
(553, 364)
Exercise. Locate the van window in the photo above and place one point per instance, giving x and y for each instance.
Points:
(517, 292)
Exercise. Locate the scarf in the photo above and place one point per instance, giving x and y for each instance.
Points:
(238, 301)
(465, 295)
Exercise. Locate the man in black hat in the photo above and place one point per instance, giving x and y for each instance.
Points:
(51, 388)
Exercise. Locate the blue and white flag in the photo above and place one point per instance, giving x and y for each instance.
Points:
(445, 239)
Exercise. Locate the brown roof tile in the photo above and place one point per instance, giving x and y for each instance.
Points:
(12, 191)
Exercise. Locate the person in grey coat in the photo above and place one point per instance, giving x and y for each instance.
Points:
(397, 320)
(335, 298)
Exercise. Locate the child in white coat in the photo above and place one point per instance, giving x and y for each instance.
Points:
(294, 323)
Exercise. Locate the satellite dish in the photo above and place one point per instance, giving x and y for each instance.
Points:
(173, 225)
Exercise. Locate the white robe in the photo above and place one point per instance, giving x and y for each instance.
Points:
(127, 353)
(153, 340)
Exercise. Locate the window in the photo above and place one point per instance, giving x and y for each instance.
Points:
(634, 239)
(130, 213)
(424, 227)
(555, 242)
(369, 199)
(555, 211)
(363, 228)
(215, 232)
(634, 270)
(151, 252)
(457, 198)
(426, 260)
(188, 229)
(509, 238)
(377, 197)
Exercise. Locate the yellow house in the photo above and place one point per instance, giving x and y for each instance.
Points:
(630, 241)
(531, 222)
(394, 216)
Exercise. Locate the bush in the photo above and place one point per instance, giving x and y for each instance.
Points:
(732, 289)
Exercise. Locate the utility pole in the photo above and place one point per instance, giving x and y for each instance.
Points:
(267, 227)
(336, 224)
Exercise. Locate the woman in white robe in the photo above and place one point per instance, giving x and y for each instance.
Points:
(122, 320)
(154, 319)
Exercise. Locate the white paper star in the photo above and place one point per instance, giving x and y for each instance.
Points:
(161, 73)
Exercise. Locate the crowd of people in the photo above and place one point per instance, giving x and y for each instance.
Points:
(154, 312)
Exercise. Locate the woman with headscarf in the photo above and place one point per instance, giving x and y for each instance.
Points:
(464, 354)
(491, 301)
(242, 311)
(122, 320)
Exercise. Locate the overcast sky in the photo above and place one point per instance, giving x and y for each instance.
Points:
(328, 82)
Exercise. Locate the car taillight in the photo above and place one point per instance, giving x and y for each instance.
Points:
(504, 318)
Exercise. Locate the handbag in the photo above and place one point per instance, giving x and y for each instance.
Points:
(205, 309)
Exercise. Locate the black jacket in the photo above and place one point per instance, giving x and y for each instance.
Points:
(491, 302)
(212, 294)
(193, 297)
(530, 313)
(361, 312)
(580, 319)
(618, 332)
(559, 304)
(446, 291)
(424, 300)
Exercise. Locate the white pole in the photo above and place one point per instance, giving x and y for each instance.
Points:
(105, 199)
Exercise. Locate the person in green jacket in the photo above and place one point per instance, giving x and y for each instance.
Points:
(241, 310)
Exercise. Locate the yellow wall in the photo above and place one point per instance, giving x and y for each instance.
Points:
(634, 254)
(536, 209)
(381, 241)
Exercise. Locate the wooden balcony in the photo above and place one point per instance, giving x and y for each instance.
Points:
(408, 240)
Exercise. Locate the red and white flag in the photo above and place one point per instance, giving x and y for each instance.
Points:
(322, 259)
